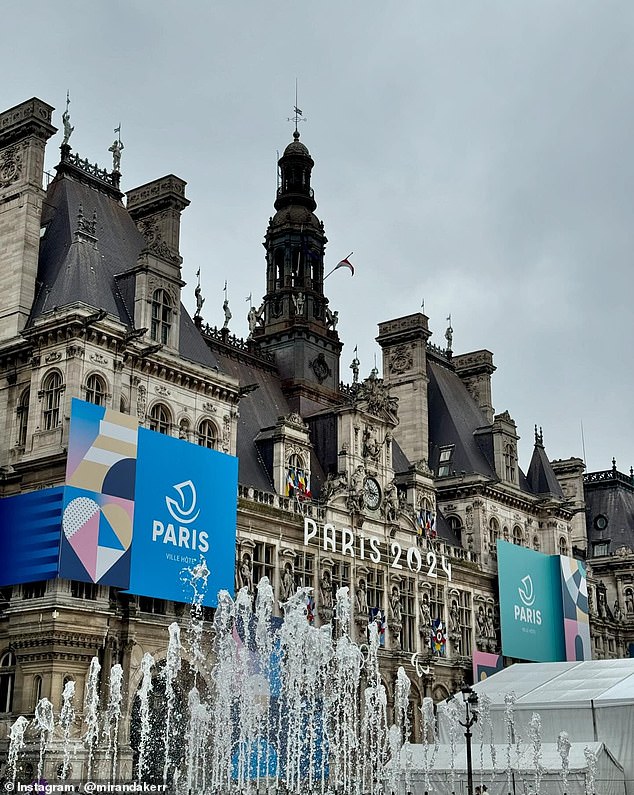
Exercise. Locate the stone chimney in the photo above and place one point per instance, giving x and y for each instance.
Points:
(24, 131)
(475, 370)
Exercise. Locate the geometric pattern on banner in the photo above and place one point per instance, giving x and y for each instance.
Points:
(98, 513)
(486, 664)
(574, 593)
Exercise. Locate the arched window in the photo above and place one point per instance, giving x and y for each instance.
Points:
(563, 546)
(37, 690)
(7, 681)
(207, 436)
(52, 396)
(536, 544)
(518, 536)
(160, 418)
(23, 416)
(494, 531)
(455, 522)
(96, 390)
(124, 405)
(161, 316)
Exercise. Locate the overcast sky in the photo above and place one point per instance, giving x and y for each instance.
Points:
(474, 155)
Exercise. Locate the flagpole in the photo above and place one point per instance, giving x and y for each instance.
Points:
(337, 265)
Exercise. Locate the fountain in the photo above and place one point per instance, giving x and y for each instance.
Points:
(255, 704)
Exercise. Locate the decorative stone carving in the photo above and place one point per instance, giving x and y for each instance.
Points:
(335, 484)
(355, 493)
(319, 366)
(141, 402)
(74, 351)
(295, 419)
(98, 358)
(373, 396)
(154, 241)
(401, 359)
(10, 166)
(161, 389)
(53, 356)
(226, 433)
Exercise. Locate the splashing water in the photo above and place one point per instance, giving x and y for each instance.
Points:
(66, 720)
(16, 744)
(591, 761)
(91, 711)
(172, 667)
(44, 722)
(485, 722)
(563, 747)
(509, 722)
(429, 732)
(535, 736)
(454, 713)
(113, 715)
(147, 663)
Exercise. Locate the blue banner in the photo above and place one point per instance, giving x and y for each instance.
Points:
(185, 510)
(531, 613)
(30, 536)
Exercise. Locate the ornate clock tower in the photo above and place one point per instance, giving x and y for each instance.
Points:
(299, 328)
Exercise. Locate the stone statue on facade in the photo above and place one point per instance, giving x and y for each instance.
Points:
(392, 504)
(332, 318)
(361, 598)
(287, 585)
(425, 615)
(199, 300)
(245, 579)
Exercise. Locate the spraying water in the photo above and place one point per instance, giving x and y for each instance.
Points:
(113, 715)
(44, 722)
(147, 663)
(66, 720)
(172, 668)
(16, 744)
(91, 711)
(563, 747)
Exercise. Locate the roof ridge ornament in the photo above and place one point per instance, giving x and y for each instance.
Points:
(68, 129)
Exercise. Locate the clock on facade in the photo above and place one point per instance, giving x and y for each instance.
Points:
(372, 493)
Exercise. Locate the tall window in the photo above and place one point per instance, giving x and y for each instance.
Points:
(304, 570)
(563, 546)
(160, 419)
(518, 536)
(7, 681)
(161, 316)
(376, 587)
(96, 390)
(37, 690)
(23, 416)
(263, 562)
(297, 477)
(494, 534)
(52, 396)
(408, 614)
(509, 462)
(207, 436)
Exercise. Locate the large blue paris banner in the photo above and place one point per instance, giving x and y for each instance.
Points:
(139, 511)
(543, 605)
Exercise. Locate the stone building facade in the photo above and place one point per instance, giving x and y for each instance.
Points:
(396, 485)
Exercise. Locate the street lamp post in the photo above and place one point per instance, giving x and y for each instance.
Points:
(470, 698)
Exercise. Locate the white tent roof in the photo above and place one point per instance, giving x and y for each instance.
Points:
(413, 757)
(563, 683)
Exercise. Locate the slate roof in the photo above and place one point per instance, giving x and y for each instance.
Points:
(91, 270)
(454, 417)
(541, 477)
(610, 494)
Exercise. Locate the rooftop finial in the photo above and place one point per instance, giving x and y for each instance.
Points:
(225, 308)
(116, 149)
(199, 296)
(354, 366)
(614, 465)
(68, 130)
(297, 113)
(449, 334)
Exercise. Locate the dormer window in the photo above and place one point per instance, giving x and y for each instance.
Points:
(297, 478)
(161, 317)
(444, 461)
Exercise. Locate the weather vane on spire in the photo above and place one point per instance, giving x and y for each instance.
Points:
(297, 114)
